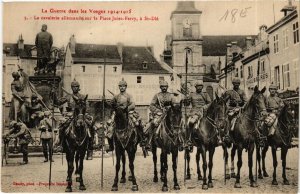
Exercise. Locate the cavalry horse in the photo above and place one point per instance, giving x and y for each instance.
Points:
(76, 142)
(246, 132)
(126, 139)
(281, 139)
(205, 137)
(167, 139)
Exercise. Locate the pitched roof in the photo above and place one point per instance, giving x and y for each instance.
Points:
(95, 53)
(217, 45)
(12, 50)
(186, 7)
(135, 57)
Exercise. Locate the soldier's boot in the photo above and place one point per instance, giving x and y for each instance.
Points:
(25, 158)
(111, 145)
(271, 131)
(294, 143)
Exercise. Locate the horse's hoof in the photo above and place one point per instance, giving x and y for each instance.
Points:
(274, 182)
(260, 176)
(164, 189)
(200, 178)
(253, 184)
(134, 188)
(210, 185)
(155, 179)
(130, 178)
(68, 189)
(265, 174)
(232, 175)
(227, 176)
(188, 177)
(82, 187)
(204, 187)
(237, 185)
(77, 179)
(286, 182)
(176, 187)
(123, 180)
(114, 188)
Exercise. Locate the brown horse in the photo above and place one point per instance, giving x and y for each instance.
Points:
(281, 139)
(246, 133)
(205, 137)
(76, 142)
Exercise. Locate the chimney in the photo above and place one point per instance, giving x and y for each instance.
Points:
(229, 52)
(120, 49)
(288, 8)
(248, 42)
(72, 43)
(262, 33)
(21, 43)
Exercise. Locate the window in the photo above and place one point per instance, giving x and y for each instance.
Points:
(99, 68)
(236, 72)
(83, 68)
(115, 69)
(145, 65)
(277, 76)
(188, 56)
(187, 32)
(286, 75)
(250, 72)
(161, 78)
(296, 71)
(241, 71)
(139, 79)
(296, 32)
(262, 67)
(276, 48)
(285, 38)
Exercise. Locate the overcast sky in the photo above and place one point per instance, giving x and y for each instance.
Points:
(141, 33)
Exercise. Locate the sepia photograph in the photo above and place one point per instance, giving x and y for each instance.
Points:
(150, 96)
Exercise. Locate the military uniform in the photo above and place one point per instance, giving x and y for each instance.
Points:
(237, 99)
(35, 110)
(46, 136)
(19, 130)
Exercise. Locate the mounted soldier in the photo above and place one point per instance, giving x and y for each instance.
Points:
(19, 130)
(161, 103)
(124, 102)
(200, 101)
(69, 99)
(237, 99)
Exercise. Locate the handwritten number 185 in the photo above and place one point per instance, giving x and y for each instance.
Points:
(233, 13)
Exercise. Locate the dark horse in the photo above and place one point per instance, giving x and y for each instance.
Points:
(126, 138)
(205, 137)
(246, 132)
(76, 142)
(281, 139)
(167, 139)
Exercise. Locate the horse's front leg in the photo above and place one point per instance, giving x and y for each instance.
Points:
(204, 166)
(258, 157)
(70, 161)
(188, 159)
(164, 158)
(198, 164)
(119, 152)
(131, 155)
(227, 175)
(123, 178)
(264, 152)
(284, 151)
(174, 165)
(162, 166)
(154, 157)
(250, 165)
(81, 159)
(76, 163)
(274, 181)
(239, 165)
(210, 166)
(233, 151)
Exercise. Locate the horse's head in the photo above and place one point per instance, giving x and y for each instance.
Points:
(79, 110)
(257, 101)
(217, 111)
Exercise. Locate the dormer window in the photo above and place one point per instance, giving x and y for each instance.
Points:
(115, 69)
(145, 65)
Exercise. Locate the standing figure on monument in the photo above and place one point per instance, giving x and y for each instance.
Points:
(43, 43)
(35, 110)
(20, 97)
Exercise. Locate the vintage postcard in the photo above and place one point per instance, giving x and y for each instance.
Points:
(150, 97)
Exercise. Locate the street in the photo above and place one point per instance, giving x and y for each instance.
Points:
(34, 177)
